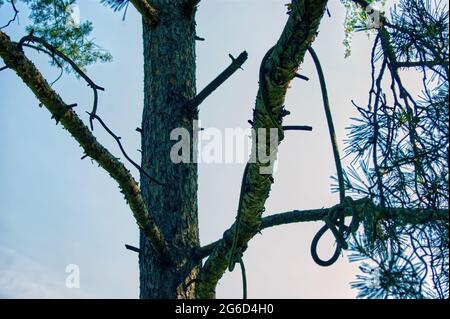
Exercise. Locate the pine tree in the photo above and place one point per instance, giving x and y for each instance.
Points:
(395, 189)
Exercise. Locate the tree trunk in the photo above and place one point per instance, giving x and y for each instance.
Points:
(169, 84)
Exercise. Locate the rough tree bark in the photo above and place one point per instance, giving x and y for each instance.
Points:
(169, 84)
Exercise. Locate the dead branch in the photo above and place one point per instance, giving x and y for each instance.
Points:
(16, 13)
(117, 139)
(236, 63)
(16, 60)
(54, 51)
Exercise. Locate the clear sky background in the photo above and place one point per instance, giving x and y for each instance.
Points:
(56, 209)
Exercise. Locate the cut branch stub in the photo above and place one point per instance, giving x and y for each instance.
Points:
(53, 51)
(222, 77)
(360, 207)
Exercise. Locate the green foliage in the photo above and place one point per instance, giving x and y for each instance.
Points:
(52, 21)
(387, 275)
(401, 266)
(399, 144)
(116, 5)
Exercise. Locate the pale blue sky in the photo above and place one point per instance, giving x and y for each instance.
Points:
(56, 209)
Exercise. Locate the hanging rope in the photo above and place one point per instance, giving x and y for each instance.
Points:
(335, 219)
(235, 253)
(244, 278)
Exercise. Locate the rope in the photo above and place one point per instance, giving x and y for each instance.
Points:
(335, 219)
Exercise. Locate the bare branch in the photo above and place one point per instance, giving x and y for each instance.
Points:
(411, 216)
(50, 48)
(52, 55)
(332, 131)
(118, 138)
(16, 12)
(15, 59)
(297, 128)
(301, 77)
(236, 63)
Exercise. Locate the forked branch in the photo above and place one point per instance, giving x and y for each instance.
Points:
(54, 52)
(16, 60)
(16, 13)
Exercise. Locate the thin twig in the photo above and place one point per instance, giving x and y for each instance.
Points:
(16, 60)
(117, 138)
(297, 128)
(16, 12)
(52, 55)
(76, 68)
(416, 64)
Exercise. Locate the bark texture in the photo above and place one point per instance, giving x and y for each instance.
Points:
(278, 68)
(169, 86)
